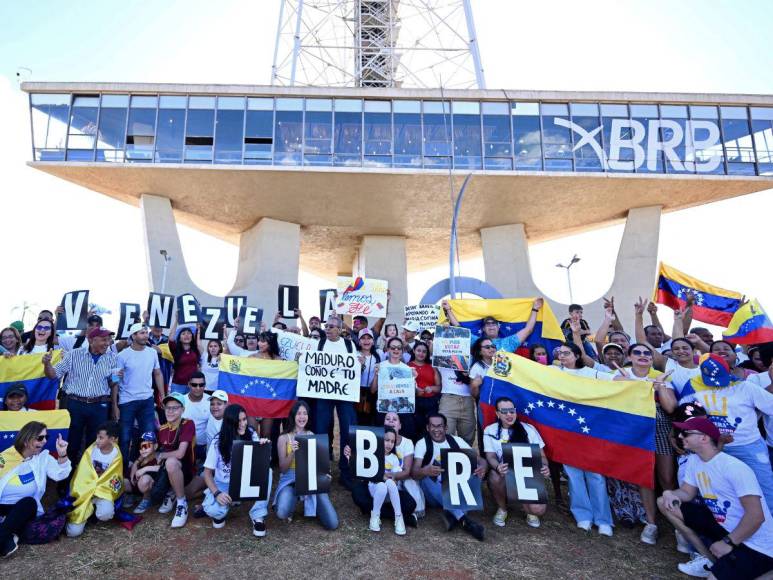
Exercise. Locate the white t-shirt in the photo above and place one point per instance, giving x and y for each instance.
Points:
(403, 449)
(587, 372)
(210, 370)
(421, 450)
(101, 461)
(36, 349)
(762, 381)
(451, 385)
(199, 413)
(733, 409)
(722, 481)
(479, 370)
(138, 367)
(213, 428)
(20, 485)
(392, 464)
(680, 376)
(493, 444)
(214, 461)
(337, 347)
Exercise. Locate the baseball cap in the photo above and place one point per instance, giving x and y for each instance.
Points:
(16, 389)
(219, 394)
(609, 345)
(18, 325)
(412, 326)
(94, 319)
(702, 424)
(135, 328)
(179, 397)
(148, 436)
(98, 332)
(365, 332)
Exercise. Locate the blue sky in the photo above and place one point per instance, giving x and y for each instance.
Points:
(690, 46)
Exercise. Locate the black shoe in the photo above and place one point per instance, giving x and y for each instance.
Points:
(11, 546)
(198, 512)
(473, 528)
(258, 528)
(411, 521)
(450, 520)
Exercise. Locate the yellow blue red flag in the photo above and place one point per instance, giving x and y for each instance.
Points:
(750, 325)
(607, 427)
(265, 388)
(28, 370)
(11, 422)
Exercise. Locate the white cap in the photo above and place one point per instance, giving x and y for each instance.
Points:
(412, 326)
(135, 328)
(219, 394)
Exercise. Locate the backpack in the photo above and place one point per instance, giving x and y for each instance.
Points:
(347, 343)
(452, 444)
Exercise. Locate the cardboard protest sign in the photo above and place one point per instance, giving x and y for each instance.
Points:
(451, 348)
(292, 345)
(288, 301)
(76, 311)
(325, 375)
(425, 314)
(458, 472)
(250, 318)
(160, 309)
(233, 305)
(130, 313)
(367, 459)
(250, 470)
(312, 465)
(362, 296)
(188, 309)
(396, 389)
(523, 480)
(327, 304)
(212, 322)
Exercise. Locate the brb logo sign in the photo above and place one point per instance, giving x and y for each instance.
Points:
(645, 142)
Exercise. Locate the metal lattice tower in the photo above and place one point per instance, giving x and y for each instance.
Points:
(377, 43)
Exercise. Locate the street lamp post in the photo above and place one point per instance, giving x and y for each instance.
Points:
(573, 261)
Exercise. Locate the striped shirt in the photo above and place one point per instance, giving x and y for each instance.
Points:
(85, 378)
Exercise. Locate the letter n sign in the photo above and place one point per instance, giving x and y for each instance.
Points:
(523, 480)
(461, 490)
(250, 473)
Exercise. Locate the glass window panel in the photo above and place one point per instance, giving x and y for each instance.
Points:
(229, 135)
(437, 162)
(259, 136)
(170, 136)
(584, 109)
(319, 104)
(260, 104)
(289, 135)
(527, 136)
(556, 135)
(200, 130)
(83, 128)
(493, 108)
(230, 103)
(608, 110)
(465, 108)
(319, 131)
(143, 102)
(673, 111)
(347, 136)
(763, 140)
(112, 128)
(172, 102)
(499, 164)
(406, 106)
(496, 132)
(115, 101)
(644, 118)
(348, 105)
(40, 99)
(703, 112)
(647, 111)
(528, 109)
(377, 107)
(740, 169)
(558, 164)
(201, 103)
(467, 139)
(437, 134)
(289, 104)
(586, 156)
(763, 113)
(733, 112)
(141, 131)
(436, 107)
(554, 109)
(377, 161)
(676, 136)
(737, 138)
(378, 133)
(407, 134)
(318, 160)
(617, 134)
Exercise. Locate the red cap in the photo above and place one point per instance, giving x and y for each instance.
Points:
(702, 424)
(99, 332)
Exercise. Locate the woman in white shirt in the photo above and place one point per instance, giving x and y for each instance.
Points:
(41, 340)
(210, 361)
(394, 363)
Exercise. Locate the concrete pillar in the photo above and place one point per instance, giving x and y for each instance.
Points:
(384, 257)
(507, 267)
(269, 254)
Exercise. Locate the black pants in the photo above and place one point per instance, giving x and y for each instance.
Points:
(17, 516)
(364, 501)
(424, 406)
(741, 563)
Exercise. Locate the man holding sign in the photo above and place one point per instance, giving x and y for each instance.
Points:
(428, 471)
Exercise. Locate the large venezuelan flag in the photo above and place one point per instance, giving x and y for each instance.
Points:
(713, 304)
(512, 314)
(265, 388)
(750, 325)
(28, 370)
(607, 427)
(58, 422)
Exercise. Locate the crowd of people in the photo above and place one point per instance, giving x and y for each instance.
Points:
(167, 430)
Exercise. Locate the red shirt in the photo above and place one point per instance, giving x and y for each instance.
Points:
(168, 440)
(424, 378)
(187, 364)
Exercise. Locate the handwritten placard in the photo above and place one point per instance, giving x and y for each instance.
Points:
(426, 315)
(362, 297)
(396, 389)
(327, 375)
(292, 345)
(451, 348)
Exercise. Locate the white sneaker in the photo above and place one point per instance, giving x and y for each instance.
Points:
(649, 535)
(532, 521)
(585, 525)
(399, 526)
(167, 505)
(180, 516)
(375, 523)
(699, 566)
(682, 545)
(605, 530)
(500, 518)
(218, 524)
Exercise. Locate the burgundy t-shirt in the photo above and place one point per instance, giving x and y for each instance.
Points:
(187, 364)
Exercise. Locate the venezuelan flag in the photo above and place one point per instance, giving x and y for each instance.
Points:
(28, 370)
(713, 304)
(512, 314)
(750, 325)
(11, 422)
(265, 388)
(607, 427)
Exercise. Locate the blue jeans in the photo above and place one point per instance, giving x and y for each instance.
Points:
(346, 416)
(756, 456)
(286, 501)
(144, 412)
(216, 511)
(84, 418)
(178, 388)
(588, 499)
(433, 494)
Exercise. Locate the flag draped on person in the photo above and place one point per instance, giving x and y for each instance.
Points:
(28, 370)
(750, 325)
(265, 388)
(512, 315)
(11, 422)
(87, 485)
(606, 427)
(713, 305)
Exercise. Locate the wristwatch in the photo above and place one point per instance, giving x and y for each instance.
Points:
(729, 541)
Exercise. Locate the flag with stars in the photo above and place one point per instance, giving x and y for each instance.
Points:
(606, 427)
(713, 304)
(265, 388)
(27, 369)
(750, 325)
(512, 315)
(11, 422)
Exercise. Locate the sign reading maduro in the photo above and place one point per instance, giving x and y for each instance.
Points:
(326, 375)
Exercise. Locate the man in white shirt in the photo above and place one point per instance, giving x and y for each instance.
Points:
(733, 514)
(197, 410)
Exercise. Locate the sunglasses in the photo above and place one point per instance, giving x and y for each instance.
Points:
(42, 437)
(329, 326)
(641, 353)
(488, 346)
(173, 407)
(146, 444)
(565, 353)
(196, 384)
(42, 328)
(395, 348)
(507, 411)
